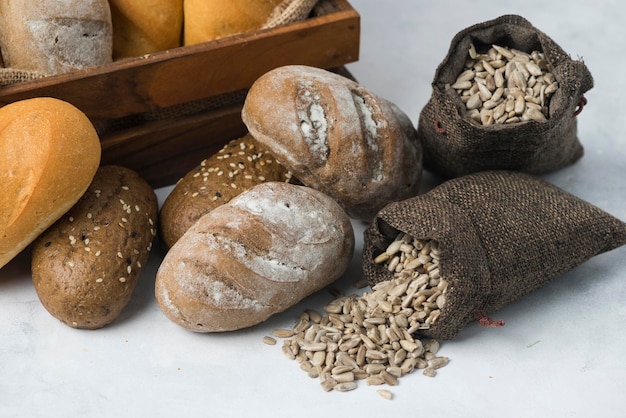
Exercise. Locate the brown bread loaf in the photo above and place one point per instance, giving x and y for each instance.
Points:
(87, 264)
(255, 256)
(55, 36)
(49, 153)
(238, 166)
(336, 136)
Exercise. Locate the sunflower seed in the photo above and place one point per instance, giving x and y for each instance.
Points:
(491, 78)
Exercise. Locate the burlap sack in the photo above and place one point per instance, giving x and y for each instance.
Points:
(501, 235)
(454, 145)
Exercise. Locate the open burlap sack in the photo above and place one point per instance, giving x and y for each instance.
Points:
(501, 235)
(454, 145)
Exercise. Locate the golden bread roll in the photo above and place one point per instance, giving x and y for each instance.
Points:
(49, 153)
(206, 20)
(144, 27)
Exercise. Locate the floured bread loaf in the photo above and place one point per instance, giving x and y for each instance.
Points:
(257, 255)
(55, 36)
(336, 136)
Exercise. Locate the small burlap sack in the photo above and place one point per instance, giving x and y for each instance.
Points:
(454, 145)
(501, 235)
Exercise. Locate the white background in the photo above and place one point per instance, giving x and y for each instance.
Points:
(562, 352)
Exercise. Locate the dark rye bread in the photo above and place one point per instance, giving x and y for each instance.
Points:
(86, 265)
(238, 166)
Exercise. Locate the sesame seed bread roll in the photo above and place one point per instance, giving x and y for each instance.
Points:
(237, 167)
(86, 266)
(55, 36)
(255, 256)
(49, 153)
(336, 136)
(206, 20)
(145, 27)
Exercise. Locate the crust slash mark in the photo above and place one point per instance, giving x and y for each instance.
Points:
(312, 119)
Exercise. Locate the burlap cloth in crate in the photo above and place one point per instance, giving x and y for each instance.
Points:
(501, 234)
(454, 145)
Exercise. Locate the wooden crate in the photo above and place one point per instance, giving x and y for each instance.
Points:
(162, 113)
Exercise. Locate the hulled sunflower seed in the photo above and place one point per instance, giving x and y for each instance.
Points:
(371, 336)
(498, 76)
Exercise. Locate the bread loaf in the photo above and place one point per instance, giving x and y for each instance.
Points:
(237, 167)
(255, 256)
(49, 153)
(206, 20)
(55, 36)
(87, 264)
(145, 27)
(336, 136)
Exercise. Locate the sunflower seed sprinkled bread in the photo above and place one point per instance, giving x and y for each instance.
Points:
(86, 266)
(237, 167)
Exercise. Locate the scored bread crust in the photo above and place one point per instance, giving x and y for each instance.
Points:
(336, 136)
(49, 153)
(255, 256)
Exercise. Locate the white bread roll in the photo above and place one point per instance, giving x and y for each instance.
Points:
(254, 256)
(206, 20)
(49, 153)
(55, 36)
(144, 27)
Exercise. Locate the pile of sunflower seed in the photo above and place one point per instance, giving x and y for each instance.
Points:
(372, 336)
(506, 85)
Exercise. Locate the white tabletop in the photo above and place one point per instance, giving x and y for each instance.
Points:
(561, 352)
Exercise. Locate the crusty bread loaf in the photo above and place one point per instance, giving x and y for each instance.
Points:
(144, 27)
(336, 136)
(206, 20)
(87, 264)
(55, 36)
(49, 153)
(237, 167)
(255, 256)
